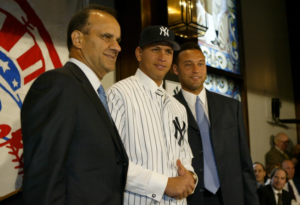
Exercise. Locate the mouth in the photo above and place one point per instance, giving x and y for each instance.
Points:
(160, 67)
(195, 77)
(112, 57)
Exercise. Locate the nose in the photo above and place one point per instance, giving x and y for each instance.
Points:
(162, 56)
(196, 68)
(115, 46)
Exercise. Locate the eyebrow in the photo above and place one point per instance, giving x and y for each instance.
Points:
(191, 61)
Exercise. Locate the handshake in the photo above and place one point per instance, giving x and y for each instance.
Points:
(183, 185)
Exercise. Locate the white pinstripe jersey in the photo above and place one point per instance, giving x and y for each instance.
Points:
(149, 136)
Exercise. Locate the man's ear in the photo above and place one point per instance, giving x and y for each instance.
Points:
(77, 38)
(175, 69)
(138, 53)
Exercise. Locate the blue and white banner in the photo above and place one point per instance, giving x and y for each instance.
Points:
(220, 42)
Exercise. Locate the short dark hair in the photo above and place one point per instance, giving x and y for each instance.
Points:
(260, 164)
(277, 169)
(183, 47)
(79, 20)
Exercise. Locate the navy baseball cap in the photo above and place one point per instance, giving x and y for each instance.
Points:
(152, 34)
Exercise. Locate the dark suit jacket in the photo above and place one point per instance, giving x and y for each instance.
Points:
(72, 151)
(274, 156)
(267, 197)
(231, 151)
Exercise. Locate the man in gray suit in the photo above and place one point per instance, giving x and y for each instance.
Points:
(217, 136)
(279, 153)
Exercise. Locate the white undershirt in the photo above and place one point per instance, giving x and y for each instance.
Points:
(295, 191)
(191, 98)
(276, 192)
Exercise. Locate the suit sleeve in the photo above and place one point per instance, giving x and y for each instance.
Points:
(139, 180)
(249, 181)
(48, 123)
(262, 197)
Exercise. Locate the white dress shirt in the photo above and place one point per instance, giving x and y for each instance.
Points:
(295, 192)
(191, 98)
(276, 192)
(148, 133)
(94, 80)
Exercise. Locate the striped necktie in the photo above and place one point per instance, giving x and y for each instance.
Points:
(103, 99)
(211, 178)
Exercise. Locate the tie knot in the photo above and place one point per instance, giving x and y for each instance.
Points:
(198, 100)
(101, 90)
(279, 195)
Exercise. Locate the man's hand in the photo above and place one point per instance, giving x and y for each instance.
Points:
(181, 186)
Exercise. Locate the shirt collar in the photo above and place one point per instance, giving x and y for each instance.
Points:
(276, 191)
(191, 98)
(94, 80)
(279, 149)
(147, 82)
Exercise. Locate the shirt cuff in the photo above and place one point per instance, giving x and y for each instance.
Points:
(156, 187)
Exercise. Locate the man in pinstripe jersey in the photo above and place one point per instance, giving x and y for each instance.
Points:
(153, 126)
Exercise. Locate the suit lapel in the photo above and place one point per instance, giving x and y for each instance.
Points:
(88, 88)
(272, 195)
(286, 198)
(191, 120)
(213, 108)
(213, 112)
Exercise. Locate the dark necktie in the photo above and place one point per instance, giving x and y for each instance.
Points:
(279, 199)
(211, 178)
(285, 155)
(103, 99)
(290, 188)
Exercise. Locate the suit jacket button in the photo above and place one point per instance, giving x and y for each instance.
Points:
(119, 162)
(200, 151)
(198, 133)
(201, 190)
(125, 164)
(153, 195)
(201, 170)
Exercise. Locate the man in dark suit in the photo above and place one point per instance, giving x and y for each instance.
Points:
(72, 151)
(216, 134)
(273, 194)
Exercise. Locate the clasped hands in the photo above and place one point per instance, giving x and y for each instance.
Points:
(181, 186)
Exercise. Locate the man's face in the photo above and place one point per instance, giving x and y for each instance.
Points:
(279, 179)
(155, 60)
(100, 47)
(282, 142)
(289, 168)
(259, 173)
(191, 70)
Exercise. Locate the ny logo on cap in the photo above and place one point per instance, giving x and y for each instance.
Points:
(165, 30)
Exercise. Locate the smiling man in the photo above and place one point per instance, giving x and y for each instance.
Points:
(273, 194)
(72, 151)
(216, 134)
(153, 126)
